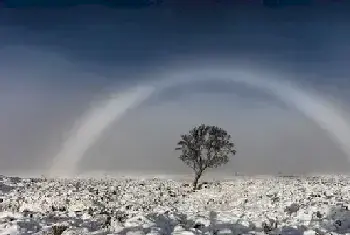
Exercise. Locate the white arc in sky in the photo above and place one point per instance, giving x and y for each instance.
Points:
(99, 118)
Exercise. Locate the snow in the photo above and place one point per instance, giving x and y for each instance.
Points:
(309, 205)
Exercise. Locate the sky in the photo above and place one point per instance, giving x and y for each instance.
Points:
(56, 60)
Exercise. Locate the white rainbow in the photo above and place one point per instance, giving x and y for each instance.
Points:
(100, 117)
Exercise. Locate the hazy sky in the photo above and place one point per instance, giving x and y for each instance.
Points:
(54, 61)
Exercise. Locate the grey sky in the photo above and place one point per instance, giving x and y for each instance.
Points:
(50, 69)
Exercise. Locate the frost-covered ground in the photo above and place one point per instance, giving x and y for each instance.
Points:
(244, 205)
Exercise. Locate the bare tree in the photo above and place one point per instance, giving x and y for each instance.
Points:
(205, 147)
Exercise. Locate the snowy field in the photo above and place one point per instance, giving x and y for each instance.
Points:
(243, 205)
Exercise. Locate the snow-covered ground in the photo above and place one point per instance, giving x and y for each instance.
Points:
(243, 205)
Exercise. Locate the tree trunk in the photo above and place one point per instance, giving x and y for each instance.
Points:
(196, 179)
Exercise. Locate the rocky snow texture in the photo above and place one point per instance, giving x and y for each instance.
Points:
(243, 205)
